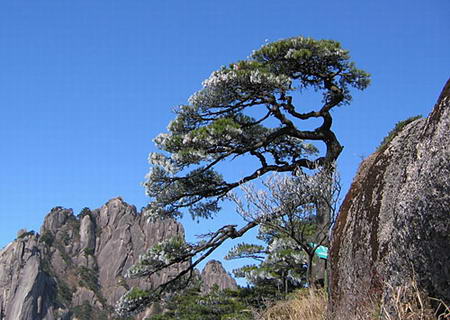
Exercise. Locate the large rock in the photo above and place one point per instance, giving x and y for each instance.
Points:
(214, 275)
(26, 292)
(394, 224)
(77, 264)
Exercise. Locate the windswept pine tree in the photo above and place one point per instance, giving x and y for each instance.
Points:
(249, 109)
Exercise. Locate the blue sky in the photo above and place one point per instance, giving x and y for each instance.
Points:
(86, 85)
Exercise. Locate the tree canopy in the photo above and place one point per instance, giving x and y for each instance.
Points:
(288, 211)
(216, 305)
(216, 125)
(248, 110)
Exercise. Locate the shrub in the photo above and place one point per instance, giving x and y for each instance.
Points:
(89, 251)
(192, 305)
(65, 292)
(87, 312)
(394, 132)
(89, 279)
(84, 212)
(47, 238)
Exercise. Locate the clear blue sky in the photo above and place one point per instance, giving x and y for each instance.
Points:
(85, 85)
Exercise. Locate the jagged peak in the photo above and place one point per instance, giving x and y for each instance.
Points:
(441, 110)
(214, 265)
(214, 274)
(56, 218)
(117, 201)
(445, 92)
(78, 257)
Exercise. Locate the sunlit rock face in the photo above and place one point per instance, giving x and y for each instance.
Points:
(77, 265)
(394, 224)
(213, 275)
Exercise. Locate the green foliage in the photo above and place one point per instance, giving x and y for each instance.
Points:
(86, 311)
(215, 126)
(394, 132)
(283, 266)
(285, 259)
(84, 212)
(88, 251)
(309, 60)
(45, 266)
(134, 301)
(137, 293)
(244, 110)
(88, 278)
(83, 311)
(218, 128)
(74, 224)
(245, 250)
(65, 293)
(163, 253)
(258, 295)
(47, 238)
(218, 305)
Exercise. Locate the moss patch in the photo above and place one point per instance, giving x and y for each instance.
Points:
(394, 132)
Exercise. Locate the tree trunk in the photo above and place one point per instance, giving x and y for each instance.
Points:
(324, 209)
(309, 274)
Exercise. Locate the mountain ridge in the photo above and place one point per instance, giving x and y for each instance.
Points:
(74, 268)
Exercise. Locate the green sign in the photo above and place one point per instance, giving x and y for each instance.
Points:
(321, 251)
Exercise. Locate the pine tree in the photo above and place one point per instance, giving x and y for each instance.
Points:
(249, 110)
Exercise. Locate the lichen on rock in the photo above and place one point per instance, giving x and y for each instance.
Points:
(394, 224)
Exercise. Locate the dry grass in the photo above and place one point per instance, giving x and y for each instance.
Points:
(302, 305)
(408, 302)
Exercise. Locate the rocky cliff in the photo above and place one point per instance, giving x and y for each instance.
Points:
(74, 268)
(214, 274)
(393, 228)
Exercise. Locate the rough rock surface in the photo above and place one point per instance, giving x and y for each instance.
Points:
(75, 265)
(394, 224)
(214, 274)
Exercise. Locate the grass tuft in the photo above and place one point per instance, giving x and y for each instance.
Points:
(304, 304)
(394, 132)
(408, 302)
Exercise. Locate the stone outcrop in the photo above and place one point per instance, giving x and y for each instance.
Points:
(214, 274)
(394, 224)
(76, 265)
(26, 290)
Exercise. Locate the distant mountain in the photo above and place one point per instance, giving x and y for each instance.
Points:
(74, 267)
(214, 274)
